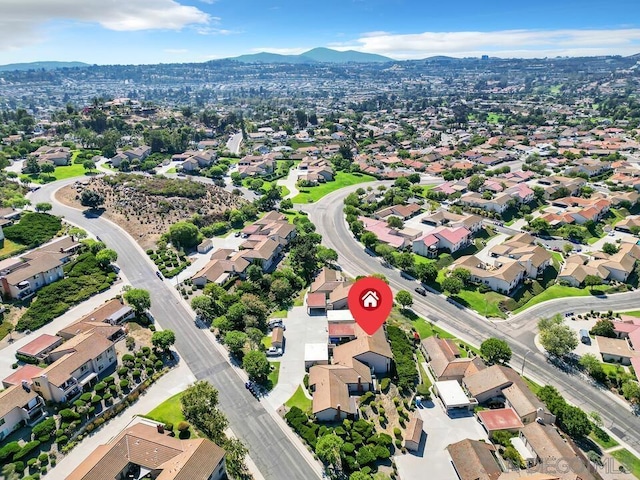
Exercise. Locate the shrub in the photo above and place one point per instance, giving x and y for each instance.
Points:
(348, 447)
(100, 387)
(31, 462)
(158, 365)
(7, 451)
(79, 404)
(109, 380)
(68, 414)
(62, 439)
(126, 358)
(123, 371)
(43, 458)
(384, 384)
(136, 373)
(18, 467)
(86, 397)
(107, 397)
(398, 443)
(124, 383)
(397, 432)
(96, 399)
(47, 427)
(403, 349)
(182, 426)
(26, 449)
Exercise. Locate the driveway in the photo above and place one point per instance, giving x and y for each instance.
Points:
(493, 241)
(302, 328)
(290, 183)
(440, 431)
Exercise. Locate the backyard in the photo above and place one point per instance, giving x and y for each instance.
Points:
(342, 179)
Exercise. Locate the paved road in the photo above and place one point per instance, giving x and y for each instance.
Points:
(233, 144)
(275, 455)
(327, 215)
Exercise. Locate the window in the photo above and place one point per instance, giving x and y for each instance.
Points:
(1, 421)
(37, 383)
(84, 368)
(99, 357)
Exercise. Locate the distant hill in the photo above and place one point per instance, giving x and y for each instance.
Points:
(41, 65)
(316, 55)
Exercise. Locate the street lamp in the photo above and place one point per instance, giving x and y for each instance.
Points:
(524, 359)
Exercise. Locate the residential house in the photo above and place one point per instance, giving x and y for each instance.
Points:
(75, 363)
(22, 376)
(138, 153)
(502, 277)
(224, 264)
(58, 156)
(107, 320)
(372, 350)
(607, 267)
(443, 217)
(497, 204)
(629, 224)
(145, 449)
(474, 460)
(339, 297)
(616, 350)
(500, 382)
(38, 349)
(19, 405)
(499, 420)
(327, 281)
(402, 211)
(442, 238)
(256, 165)
(21, 278)
(315, 170)
(196, 160)
(390, 236)
(445, 360)
(590, 167)
(522, 247)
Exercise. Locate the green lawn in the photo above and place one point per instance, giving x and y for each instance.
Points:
(493, 117)
(279, 314)
(635, 313)
(629, 460)
(272, 380)
(609, 367)
(172, 170)
(556, 291)
(610, 443)
(11, 248)
(170, 411)
(425, 378)
(557, 259)
(69, 171)
(266, 341)
(484, 303)
(300, 400)
(342, 179)
(533, 386)
(424, 328)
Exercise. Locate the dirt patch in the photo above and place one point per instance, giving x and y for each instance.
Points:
(147, 206)
(141, 335)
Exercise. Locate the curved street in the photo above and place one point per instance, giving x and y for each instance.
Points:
(274, 453)
(519, 330)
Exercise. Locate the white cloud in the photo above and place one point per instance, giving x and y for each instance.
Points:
(21, 19)
(504, 43)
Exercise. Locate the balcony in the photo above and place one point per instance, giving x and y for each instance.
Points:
(35, 412)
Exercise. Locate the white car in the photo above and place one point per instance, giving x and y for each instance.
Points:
(274, 352)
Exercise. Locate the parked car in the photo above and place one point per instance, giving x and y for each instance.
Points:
(421, 291)
(237, 234)
(274, 352)
(158, 274)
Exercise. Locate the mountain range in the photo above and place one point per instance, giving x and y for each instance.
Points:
(41, 66)
(316, 55)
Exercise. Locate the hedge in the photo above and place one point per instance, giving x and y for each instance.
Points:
(47, 427)
(27, 449)
(403, 350)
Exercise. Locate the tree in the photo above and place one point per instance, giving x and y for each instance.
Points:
(139, 299)
(463, 274)
(163, 339)
(328, 449)
(106, 256)
(32, 166)
(631, 391)
(452, 285)
(495, 350)
(204, 306)
(395, 222)
(326, 255)
(427, 272)
(256, 365)
(234, 458)
(184, 234)
(404, 298)
(603, 328)
(43, 207)
(558, 339)
(610, 248)
(592, 281)
(592, 365)
(200, 407)
(286, 204)
(89, 165)
(402, 183)
(405, 261)
(360, 475)
(539, 225)
(575, 422)
(475, 183)
(48, 168)
(369, 239)
(77, 232)
(91, 198)
(281, 289)
(255, 336)
(235, 341)
(365, 455)
(567, 248)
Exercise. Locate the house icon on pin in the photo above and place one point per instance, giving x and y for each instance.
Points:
(370, 299)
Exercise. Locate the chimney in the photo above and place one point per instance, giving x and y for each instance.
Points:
(160, 428)
(339, 412)
(359, 383)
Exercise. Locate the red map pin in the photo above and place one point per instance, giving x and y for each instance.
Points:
(370, 301)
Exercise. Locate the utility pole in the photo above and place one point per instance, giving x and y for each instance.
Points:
(524, 359)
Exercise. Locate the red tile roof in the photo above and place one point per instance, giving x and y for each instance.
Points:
(26, 372)
(500, 419)
(342, 329)
(41, 343)
(316, 300)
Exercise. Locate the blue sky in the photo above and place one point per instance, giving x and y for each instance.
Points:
(152, 31)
